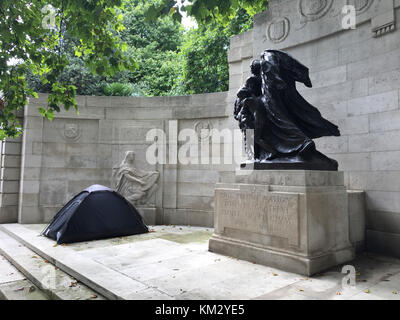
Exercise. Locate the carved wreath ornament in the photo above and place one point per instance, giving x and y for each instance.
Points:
(203, 130)
(278, 30)
(72, 132)
(361, 5)
(312, 10)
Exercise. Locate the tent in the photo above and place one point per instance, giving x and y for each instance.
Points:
(96, 213)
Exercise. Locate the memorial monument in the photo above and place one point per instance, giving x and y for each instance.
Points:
(284, 123)
(291, 211)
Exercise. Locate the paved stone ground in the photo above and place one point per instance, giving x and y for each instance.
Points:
(14, 286)
(176, 263)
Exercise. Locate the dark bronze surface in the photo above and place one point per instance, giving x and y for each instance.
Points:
(284, 123)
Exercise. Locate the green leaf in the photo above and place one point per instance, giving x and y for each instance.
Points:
(50, 115)
(42, 111)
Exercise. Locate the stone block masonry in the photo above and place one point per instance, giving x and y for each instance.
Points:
(356, 74)
(297, 221)
(10, 170)
(62, 157)
(356, 77)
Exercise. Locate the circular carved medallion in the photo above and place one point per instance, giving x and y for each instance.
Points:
(313, 10)
(72, 132)
(361, 5)
(203, 129)
(278, 30)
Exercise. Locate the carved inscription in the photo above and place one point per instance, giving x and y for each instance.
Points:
(268, 214)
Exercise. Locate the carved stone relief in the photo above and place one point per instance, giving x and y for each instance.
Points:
(136, 185)
(361, 5)
(312, 10)
(72, 132)
(278, 30)
(203, 130)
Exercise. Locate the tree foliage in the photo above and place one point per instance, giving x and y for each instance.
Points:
(207, 11)
(154, 45)
(205, 60)
(98, 42)
(76, 73)
(205, 49)
(122, 90)
(29, 43)
(205, 54)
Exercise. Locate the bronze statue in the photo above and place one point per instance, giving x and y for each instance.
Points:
(284, 123)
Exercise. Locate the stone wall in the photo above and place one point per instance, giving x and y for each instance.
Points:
(64, 156)
(356, 77)
(10, 164)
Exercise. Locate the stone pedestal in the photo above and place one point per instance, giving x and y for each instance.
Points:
(296, 221)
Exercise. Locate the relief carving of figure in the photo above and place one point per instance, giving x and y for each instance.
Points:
(136, 185)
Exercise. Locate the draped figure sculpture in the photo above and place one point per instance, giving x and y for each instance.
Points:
(136, 185)
(284, 123)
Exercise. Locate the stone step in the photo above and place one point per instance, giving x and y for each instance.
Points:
(14, 285)
(21, 290)
(44, 280)
(111, 284)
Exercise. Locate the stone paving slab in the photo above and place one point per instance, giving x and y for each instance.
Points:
(178, 234)
(174, 263)
(258, 282)
(149, 294)
(8, 273)
(14, 285)
(109, 283)
(140, 253)
(21, 290)
(171, 266)
(388, 289)
(51, 280)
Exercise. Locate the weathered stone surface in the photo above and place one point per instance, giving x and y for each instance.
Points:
(298, 178)
(357, 79)
(149, 215)
(12, 148)
(374, 103)
(357, 219)
(383, 221)
(383, 242)
(8, 273)
(111, 284)
(21, 290)
(365, 105)
(9, 214)
(189, 217)
(258, 211)
(302, 229)
(47, 280)
(9, 199)
(62, 157)
(174, 264)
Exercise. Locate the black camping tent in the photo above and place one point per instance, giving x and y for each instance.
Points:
(96, 213)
